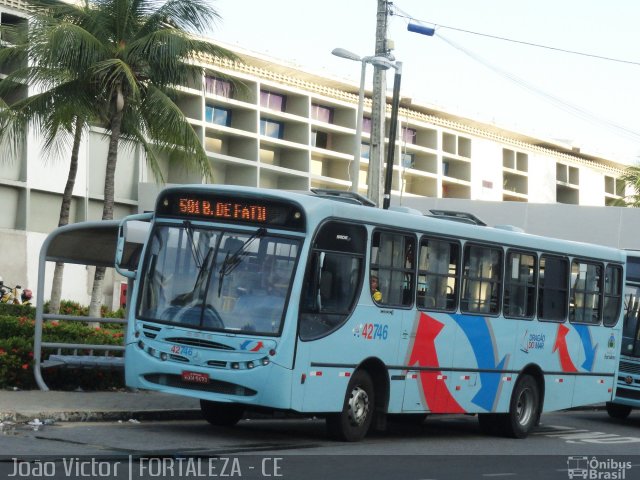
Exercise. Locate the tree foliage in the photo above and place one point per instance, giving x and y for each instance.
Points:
(117, 64)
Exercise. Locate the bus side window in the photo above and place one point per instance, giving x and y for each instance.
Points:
(481, 279)
(586, 292)
(612, 295)
(333, 279)
(520, 285)
(393, 262)
(438, 266)
(553, 292)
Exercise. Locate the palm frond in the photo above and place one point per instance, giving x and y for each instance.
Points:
(169, 130)
(195, 16)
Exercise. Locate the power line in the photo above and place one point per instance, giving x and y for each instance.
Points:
(505, 39)
(558, 102)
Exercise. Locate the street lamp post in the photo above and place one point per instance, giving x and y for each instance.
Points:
(395, 105)
(382, 62)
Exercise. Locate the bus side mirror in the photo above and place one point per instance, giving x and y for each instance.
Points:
(132, 236)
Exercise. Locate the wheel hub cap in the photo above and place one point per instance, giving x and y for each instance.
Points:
(358, 406)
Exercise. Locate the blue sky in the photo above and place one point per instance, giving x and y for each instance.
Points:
(591, 103)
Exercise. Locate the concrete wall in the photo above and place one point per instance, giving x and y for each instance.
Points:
(617, 227)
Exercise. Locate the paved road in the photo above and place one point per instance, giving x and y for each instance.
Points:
(447, 447)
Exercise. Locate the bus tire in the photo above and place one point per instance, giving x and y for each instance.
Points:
(221, 414)
(523, 408)
(617, 411)
(353, 422)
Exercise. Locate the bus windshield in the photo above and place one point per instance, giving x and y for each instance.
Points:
(217, 279)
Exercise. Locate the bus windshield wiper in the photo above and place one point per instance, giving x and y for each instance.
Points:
(194, 249)
(231, 261)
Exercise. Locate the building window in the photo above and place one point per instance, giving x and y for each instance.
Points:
(365, 150)
(273, 101)
(366, 125)
(320, 139)
(567, 174)
(614, 186)
(217, 115)
(218, 86)
(321, 113)
(515, 160)
(409, 135)
(271, 128)
(408, 160)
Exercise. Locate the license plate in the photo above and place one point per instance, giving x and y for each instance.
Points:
(195, 377)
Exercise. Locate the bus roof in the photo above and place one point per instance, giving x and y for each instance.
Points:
(320, 206)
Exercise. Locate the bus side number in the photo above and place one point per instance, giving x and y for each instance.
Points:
(182, 350)
(375, 331)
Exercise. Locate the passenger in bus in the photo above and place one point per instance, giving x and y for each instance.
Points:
(375, 293)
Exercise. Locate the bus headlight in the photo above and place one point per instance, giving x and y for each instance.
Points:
(250, 365)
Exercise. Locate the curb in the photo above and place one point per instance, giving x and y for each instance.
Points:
(100, 416)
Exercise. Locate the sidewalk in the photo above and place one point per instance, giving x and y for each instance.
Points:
(58, 406)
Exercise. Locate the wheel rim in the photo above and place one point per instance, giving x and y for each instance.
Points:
(358, 406)
(524, 407)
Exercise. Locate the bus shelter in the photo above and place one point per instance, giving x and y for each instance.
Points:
(86, 243)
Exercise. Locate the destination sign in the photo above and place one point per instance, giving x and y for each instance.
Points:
(229, 208)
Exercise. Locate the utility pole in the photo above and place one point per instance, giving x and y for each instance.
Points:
(379, 107)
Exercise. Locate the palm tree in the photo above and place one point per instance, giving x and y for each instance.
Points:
(631, 178)
(57, 111)
(130, 55)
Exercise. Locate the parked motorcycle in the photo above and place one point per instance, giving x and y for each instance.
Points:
(16, 295)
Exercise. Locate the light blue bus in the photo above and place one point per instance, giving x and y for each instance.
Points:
(627, 395)
(252, 298)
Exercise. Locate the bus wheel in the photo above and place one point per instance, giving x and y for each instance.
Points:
(523, 409)
(221, 414)
(615, 410)
(352, 424)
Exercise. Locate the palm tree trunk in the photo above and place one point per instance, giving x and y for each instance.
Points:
(65, 208)
(107, 210)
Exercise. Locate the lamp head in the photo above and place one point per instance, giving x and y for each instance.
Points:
(343, 53)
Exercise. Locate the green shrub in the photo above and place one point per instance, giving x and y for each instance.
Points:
(16, 354)
(69, 307)
(17, 310)
(16, 362)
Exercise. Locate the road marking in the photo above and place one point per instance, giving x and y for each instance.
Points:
(574, 435)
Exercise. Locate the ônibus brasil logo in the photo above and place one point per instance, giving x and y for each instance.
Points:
(597, 469)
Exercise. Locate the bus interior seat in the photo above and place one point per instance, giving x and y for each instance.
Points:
(406, 296)
(429, 302)
(326, 287)
(232, 245)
